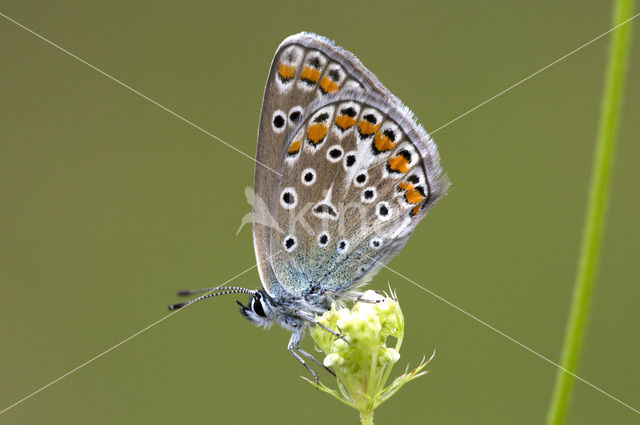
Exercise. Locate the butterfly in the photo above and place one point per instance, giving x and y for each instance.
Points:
(343, 176)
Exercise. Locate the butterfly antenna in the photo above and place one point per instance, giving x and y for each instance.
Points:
(189, 292)
(223, 291)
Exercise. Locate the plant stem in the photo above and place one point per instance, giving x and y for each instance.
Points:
(366, 418)
(596, 209)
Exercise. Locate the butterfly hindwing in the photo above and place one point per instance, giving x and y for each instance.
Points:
(357, 175)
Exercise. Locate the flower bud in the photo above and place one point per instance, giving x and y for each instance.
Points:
(361, 359)
(333, 360)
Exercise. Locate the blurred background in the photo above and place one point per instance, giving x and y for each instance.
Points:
(110, 204)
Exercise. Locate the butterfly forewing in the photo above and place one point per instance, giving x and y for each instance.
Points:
(305, 67)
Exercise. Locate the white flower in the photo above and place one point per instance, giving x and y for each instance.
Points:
(333, 359)
(363, 362)
(391, 355)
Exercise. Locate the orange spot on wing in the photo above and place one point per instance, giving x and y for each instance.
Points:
(382, 143)
(310, 74)
(345, 121)
(294, 148)
(366, 128)
(328, 86)
(286, 71)
(413, 196)
(415, 210)
(316, 132)
(405, 186)
(398, 163)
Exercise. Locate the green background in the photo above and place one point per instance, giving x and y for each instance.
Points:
(110, 204)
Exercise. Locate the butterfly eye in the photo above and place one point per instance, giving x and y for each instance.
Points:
(256, 305)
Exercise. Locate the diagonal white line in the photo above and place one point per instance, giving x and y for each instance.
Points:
(548, 360)
(95, 68)
(534, 74)
(87, 362)
(124, 341)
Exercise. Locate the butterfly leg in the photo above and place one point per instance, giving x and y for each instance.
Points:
(294, 344)
(331, 331)
(316, 361)
(311, 320)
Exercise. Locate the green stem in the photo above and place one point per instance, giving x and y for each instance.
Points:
(366, 418)
(596, 209)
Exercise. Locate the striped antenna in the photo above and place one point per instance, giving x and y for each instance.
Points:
(210, 289)
(223, 291)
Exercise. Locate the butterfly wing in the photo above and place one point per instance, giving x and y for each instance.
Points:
(356, 177)
(306, 67)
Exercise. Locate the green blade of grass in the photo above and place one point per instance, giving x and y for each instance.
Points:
(596, 209)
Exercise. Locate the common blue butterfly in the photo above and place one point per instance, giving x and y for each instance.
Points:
(343, 176)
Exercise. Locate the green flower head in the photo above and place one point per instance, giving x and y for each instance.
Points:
(363, 362)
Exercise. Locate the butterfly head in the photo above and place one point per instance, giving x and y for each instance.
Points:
(259, 310)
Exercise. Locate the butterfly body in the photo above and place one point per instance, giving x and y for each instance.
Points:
(343, 175)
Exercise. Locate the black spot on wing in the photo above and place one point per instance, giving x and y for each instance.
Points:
(325, 209)
(349, 111)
